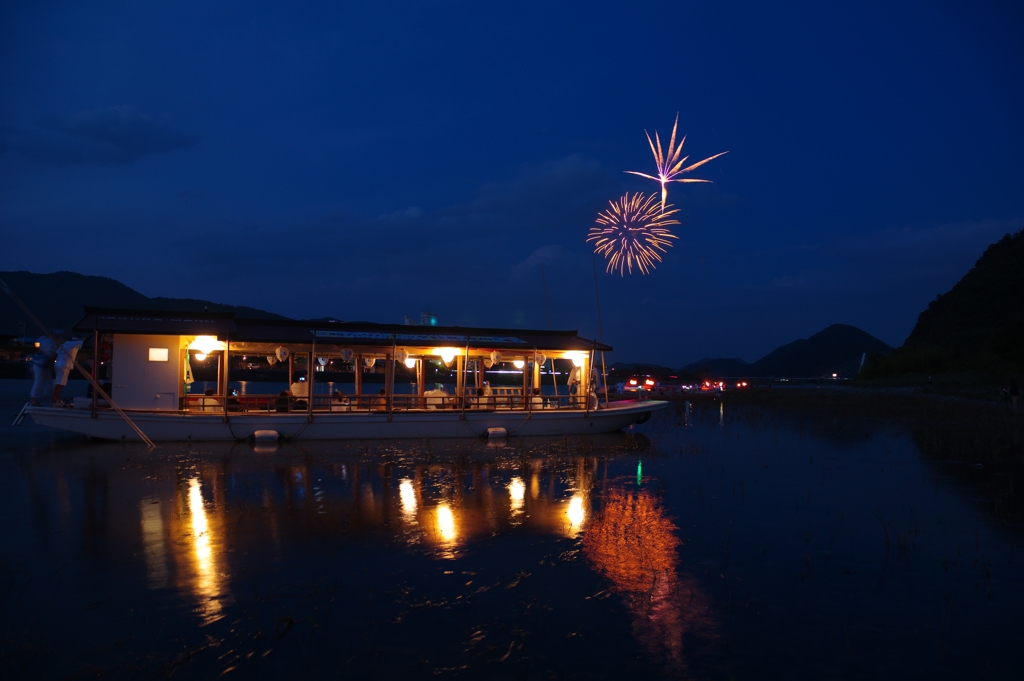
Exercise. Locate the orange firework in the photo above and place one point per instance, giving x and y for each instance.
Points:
(632, 233)
(670, 166)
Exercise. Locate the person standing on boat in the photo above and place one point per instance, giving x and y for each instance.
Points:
(66, 355)
(42, 371)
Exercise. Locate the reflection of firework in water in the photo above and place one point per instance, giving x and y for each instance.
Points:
(632, 233)
(634, 544)
(670, 166)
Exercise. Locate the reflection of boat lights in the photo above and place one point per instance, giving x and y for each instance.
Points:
(206, 579)
(576, 512)
(517, 493)
(408, 496)
(446, 522)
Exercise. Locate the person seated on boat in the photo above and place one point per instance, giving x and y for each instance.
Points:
(536, 402)
(436, 398)
(300, 388)
(234, 404)
(381, 403)
(339, 402)
(283, 402)
(208, 402)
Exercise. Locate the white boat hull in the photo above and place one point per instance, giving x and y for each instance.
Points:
(178, 427)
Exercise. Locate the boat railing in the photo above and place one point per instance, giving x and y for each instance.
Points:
(499, 399)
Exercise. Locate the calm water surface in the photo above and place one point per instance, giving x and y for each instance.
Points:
(711, 542)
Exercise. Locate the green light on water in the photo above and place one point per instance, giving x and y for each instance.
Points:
(639, 471)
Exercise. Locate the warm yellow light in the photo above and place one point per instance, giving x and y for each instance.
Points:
(577, 358)
(410, 362)
(200, 356)
(518, 364)
(207, 581)
(408, 497)
(517, 493)
(576, 513)
(206, 344)
(446, 354)
(446, 522)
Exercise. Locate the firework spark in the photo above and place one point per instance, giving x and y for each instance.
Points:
(670, 166)
(632, 233)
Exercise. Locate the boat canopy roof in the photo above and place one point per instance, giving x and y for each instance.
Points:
(226, 326)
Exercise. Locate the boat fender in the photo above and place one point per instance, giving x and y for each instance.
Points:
(645, 418)
(266, 436)
(496, 433)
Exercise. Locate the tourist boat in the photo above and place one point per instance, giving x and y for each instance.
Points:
(153, 354)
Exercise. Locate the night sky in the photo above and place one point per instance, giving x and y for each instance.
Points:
(372, 160)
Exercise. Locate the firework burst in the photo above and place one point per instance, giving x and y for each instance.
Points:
(633, 232)
(670, 166)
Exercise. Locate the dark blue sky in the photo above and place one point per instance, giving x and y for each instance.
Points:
(370, 160)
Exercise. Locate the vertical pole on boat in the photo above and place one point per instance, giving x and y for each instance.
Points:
(357, 374)
(526, 374)
(312, 374)
(227, 369)
(291, 369)
(95, 363)
(389, 378)
(600, 332)
(465, 370)
(585, 383)
(534, 378)
(421, 379)
(554, 381)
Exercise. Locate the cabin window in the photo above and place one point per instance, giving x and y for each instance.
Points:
(158, 354)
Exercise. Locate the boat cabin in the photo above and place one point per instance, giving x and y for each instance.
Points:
(155, 361)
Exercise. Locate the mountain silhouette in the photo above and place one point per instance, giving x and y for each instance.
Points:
(58, 300)
(837, 349)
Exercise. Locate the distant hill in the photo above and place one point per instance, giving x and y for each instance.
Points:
(58, 298)
(837, 349)
(978, 324)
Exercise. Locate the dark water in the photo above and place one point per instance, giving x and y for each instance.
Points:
(715, 541)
